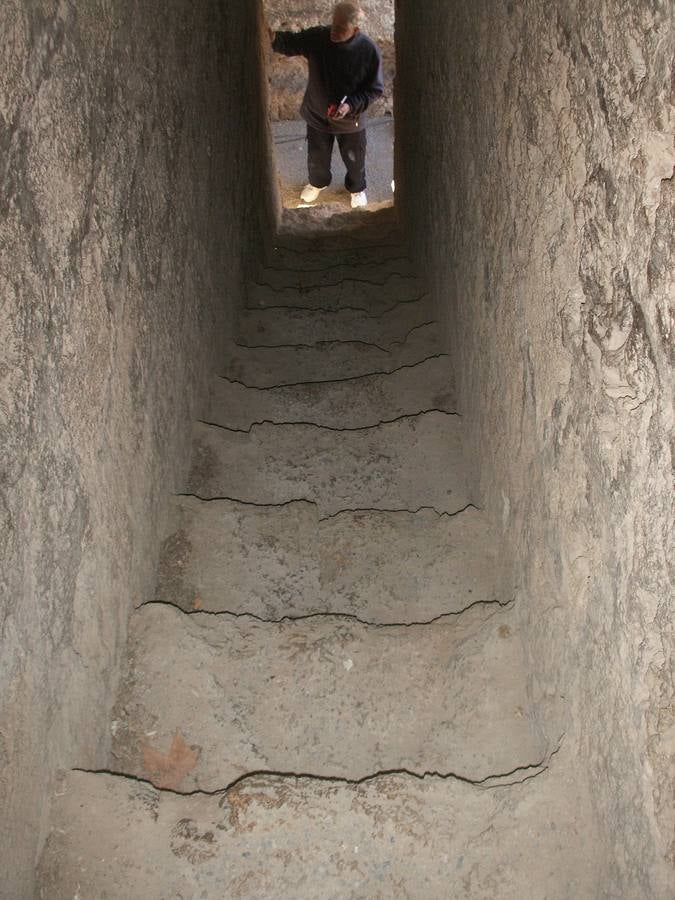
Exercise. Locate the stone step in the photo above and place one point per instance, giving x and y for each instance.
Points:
(326, 361)
(277, 561)
(337, 228)
(221, 555)
(272, 837)
(271, 327)
(409, 567)
(347, 403)
(407, 464)
(338, 241)
(309, 256)
(343, 241)
(375, 295)
(324, 696)
(333, 273)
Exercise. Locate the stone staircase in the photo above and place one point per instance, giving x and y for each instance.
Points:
(327, 697)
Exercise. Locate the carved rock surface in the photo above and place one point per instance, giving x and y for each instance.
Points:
(271, 836)
(547, 229)
(120, 250)
(347, 677)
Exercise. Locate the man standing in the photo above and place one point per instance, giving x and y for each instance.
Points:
(345, 76)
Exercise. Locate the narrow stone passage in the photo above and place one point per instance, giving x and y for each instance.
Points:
(327, 696)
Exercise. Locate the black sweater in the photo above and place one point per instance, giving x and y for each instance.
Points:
(350, 68)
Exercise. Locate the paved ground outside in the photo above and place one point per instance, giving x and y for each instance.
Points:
(291, 155)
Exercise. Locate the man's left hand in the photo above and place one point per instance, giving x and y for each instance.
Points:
(343, 110)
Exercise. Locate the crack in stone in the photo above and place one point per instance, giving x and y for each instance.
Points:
(337, 309)
(253, 503)
(314, 287)
(411, 512)
(380, 374)
(488, 782)
(352, 617)
(415, 415)
(538, 769)
(309, 346)
(334, 341)
(412, 330)
(362, 509)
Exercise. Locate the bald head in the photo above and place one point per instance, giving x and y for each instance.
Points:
(346, 20)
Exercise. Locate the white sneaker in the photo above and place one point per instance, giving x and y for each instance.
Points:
(310, 193)
(359, 199)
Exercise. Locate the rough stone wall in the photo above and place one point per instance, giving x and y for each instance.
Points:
(288, 76)
(545, 215)
(127, 173)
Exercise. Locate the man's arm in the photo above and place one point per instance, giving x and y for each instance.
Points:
(292, 43)
(372, 88)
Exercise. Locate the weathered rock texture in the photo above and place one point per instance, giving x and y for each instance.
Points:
(545, 217)
(384, 753)
(269, 837)
(288, 75)
(124, 208)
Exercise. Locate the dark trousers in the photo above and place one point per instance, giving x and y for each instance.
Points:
(352, 150)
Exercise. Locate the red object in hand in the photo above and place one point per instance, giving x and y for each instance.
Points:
(332, 110)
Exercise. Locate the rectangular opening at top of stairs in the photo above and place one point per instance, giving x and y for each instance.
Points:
(287, 77)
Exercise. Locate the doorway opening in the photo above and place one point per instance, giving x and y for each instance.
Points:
(288, 77)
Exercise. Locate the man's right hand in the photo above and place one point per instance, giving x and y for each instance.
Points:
(343, 110)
